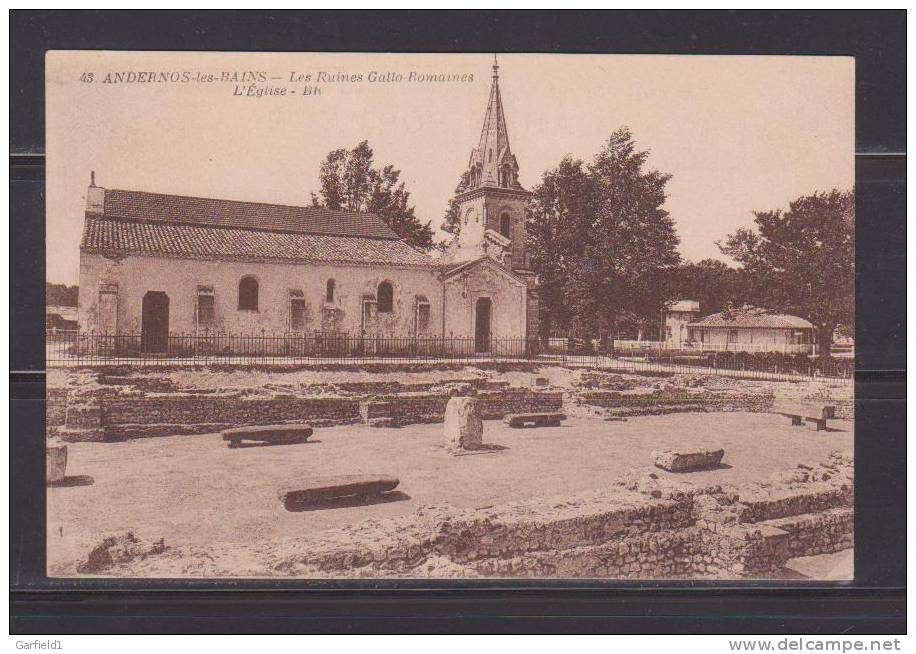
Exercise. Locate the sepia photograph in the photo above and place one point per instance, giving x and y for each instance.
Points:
(449, 316)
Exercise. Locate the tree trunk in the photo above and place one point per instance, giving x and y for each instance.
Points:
(544, 325)
(825, 339)
(612, 328)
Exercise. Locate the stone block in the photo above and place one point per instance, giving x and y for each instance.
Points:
(463, 424)
(340, 486)
(687, 461)
(56, 460)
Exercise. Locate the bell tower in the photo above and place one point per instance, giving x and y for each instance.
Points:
(493, 205)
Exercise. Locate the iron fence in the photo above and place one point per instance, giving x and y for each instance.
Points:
(78, 348)
(66, 348)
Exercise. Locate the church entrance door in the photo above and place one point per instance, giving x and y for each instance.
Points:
(482, 325)
(154, 330)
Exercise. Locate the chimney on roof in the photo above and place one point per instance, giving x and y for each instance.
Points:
(95, 196)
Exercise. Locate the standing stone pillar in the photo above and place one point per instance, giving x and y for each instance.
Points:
(463, 425)
(56, 460)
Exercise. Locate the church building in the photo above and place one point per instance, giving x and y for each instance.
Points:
(157, 265)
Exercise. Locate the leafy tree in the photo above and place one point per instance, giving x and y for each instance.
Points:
(801, 261)
(61, 295)
(625, 243)
(451, 221)
(559, 212)
(350, 181)
(713, 283)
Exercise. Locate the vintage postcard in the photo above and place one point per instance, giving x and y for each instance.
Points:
(528, 316)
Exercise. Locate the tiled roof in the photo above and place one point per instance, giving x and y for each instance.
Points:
(753, 318)
(202, 242)
(176, 209)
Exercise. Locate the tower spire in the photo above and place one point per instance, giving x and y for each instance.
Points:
(492, 163)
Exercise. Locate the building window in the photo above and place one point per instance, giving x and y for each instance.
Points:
(369, 310)
(329, 291)
(385, 297)
(248, 294)
(423, 314)
(206, 312)
(505, 224)
(296, 311)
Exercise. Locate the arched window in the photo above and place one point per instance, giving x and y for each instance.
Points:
(385, 298)
(248, 294)
(329, 291)
(505, 225)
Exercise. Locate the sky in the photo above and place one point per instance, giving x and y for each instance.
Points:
(737, 133)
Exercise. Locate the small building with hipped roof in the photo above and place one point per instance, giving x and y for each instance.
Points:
(752, 329)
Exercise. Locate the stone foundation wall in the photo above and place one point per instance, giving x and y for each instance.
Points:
(193, 410)
(407, 410)
(97, 405)
(644, 527)
(56, 407)
(496, 405)
(763, 505)
(164, 415)
(818, 533)
(418, 409)
(844, 409)
(632, 404)
(108, 416)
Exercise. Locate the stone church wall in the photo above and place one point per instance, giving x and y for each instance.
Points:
(509, 303)
(180, 279)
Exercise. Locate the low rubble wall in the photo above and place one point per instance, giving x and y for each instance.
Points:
(111, 405)
(646, 526)
(112, 417)
(817, 533)
(632, 404)
(55, 410)
(192, 410)
(402, 410)
(170, 415)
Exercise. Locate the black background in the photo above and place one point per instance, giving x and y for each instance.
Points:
(874, 603)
